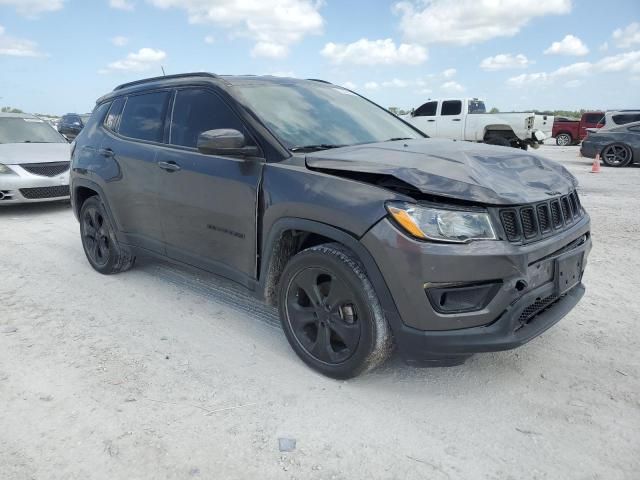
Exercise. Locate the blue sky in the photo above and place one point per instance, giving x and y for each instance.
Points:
(60, 55)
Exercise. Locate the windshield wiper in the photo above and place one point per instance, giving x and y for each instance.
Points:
(394, 139)
(313, 148)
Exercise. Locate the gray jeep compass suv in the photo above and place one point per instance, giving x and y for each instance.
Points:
(364, 232)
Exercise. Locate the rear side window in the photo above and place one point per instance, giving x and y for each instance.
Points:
(197, 110)
(592, 118)
(426, 110)
(451, 107)
(143, 116)
(113, 117)
(626, 118)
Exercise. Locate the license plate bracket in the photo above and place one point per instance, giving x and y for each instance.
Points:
(568, 272)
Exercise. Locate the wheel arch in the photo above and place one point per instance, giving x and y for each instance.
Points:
(81, 190)
(499, 130)
(289, 236)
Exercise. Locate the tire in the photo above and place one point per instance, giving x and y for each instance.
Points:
(564, 140)
(330, 313)
(617, 155)
(501, 141)
(99, 242)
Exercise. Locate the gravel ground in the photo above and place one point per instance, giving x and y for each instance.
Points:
(165, 373)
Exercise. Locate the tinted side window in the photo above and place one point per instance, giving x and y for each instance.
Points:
(426, 110)
(626, 118)
(113, 117)
(196, 111)
(592, 118)
(451, 107)
(143, 116)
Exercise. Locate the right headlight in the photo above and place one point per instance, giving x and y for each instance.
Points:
(442, 225)
(5, 170)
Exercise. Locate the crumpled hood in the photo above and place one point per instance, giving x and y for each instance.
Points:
(19, 153)
(462, 170)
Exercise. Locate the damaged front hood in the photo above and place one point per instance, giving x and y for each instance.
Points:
(462, 170)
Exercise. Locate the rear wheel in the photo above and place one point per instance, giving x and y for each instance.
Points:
(501, 141)
(564, 139)
(330, 313)
(617, 155)
(102, 249)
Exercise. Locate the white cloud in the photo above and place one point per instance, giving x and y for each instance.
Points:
(505, 61)
(139, 61)
(121, 4)
(350, 85)
(396, 82)
(604, 47)
(569, 45)
(623, 62)
(32, 8)
(371, 86)
(209, 39)
(268, 49)
(374, 52)
(275, 25)
(119, 41)
(17, 47)
(628, 36)
(464, 22)
(452, 87)
(574, 84)
(449, 72)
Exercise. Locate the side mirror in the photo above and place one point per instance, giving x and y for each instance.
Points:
(226, 141)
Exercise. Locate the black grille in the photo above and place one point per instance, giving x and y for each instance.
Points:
(556, 215)
(529, 223)
(510, 224)
(536, 308)
(45, 192)
(529, 227)
(543, 218)
(50, 169)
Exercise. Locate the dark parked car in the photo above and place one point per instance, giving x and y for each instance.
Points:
(618, 147)
(71, 125)
(364, 232)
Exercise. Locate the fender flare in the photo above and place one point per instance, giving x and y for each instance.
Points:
(348, 240)
(83, 182)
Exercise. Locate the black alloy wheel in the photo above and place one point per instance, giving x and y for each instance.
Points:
(95, 236)
(324, 315)
(616, 155)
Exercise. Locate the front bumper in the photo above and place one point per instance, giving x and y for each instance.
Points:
(25, 187)
(525, 275)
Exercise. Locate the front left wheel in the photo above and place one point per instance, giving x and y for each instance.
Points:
(331, 314)
(102, 249)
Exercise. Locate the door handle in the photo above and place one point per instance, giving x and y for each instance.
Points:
(455, 119)
(106, 152)
(169, 166)
(430, 120)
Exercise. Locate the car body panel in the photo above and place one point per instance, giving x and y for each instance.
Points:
(628, 135)
(459, 170)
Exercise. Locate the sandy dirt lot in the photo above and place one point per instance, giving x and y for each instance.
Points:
(163, 373)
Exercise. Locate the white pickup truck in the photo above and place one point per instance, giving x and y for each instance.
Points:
(467, 119)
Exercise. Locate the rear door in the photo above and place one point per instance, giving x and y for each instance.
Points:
(424, 117)
(450, 124)
(208, 202)
(137, 135)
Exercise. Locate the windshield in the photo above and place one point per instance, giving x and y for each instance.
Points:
(305, 114)
(28, 130)
(477, 106)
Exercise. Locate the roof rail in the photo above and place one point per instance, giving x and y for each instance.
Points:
(319, 80)
(166, 77)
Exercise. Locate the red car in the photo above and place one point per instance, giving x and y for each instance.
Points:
(570, 132)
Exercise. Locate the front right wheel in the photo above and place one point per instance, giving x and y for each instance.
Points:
(563, 140)
(330, 313)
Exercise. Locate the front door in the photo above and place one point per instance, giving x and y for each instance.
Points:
(208, 203)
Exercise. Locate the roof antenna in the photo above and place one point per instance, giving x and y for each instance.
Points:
(164, 74)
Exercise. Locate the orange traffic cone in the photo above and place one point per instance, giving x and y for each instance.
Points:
(595, 168)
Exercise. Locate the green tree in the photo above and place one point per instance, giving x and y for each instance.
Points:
(494, 110)
(11, 110)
